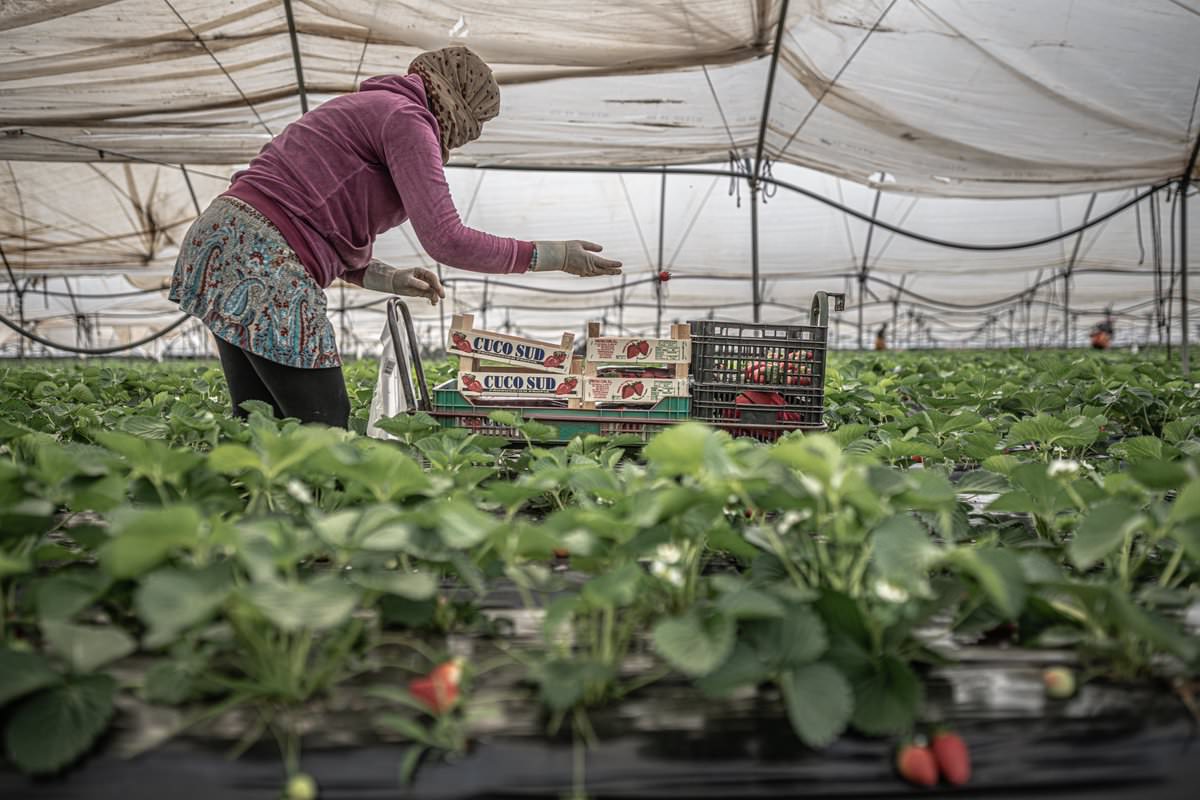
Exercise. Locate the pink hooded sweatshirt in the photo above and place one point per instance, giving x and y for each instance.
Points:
(359, 165)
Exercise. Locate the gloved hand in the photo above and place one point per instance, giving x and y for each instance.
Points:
(574, 256)
(414, 282)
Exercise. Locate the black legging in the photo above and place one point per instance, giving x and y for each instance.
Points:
(310, 395)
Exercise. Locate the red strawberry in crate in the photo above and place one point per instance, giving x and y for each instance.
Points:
(567, 386)
(461, 342)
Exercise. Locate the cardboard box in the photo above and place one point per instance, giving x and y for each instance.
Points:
(632, 390)
(474, 346)
(528, 385)
(646, 351)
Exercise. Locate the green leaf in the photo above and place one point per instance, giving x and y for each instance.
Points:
(321, 603)
(1102, 531)
(819, 703)
(1152, 627)
(614, 589)
(886, 698)
(1001, 464)
(683, 449)
(87, 648)
(462, 526)
(230, 459)
(904, 552)
(998, 573)
(695, 643)
(171, 600)
(1187, 503)
(563, 683)
(796, 639)
(143, 538)
(1140, 448)
(65, 594)
(1159, 475)
(742, 668)
(22, 673)
(751, 604)
(54, 727)
(410, 585)
(407, 727)
(1049, 431)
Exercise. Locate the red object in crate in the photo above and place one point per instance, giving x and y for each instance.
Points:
(753, 397)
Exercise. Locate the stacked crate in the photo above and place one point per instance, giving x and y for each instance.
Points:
(635, 371)
(495, 365)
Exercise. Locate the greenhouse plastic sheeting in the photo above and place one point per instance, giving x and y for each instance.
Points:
(1003, 98)
(85, 222)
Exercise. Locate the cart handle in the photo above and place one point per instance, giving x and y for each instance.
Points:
(405, 375)
(820, 307)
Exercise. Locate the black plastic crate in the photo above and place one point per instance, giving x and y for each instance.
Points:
(762, 380)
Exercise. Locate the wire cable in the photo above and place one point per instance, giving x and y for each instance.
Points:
(95, 351)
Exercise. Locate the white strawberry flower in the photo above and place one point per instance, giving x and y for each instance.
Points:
(1065, 467)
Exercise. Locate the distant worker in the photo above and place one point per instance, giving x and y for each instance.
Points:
(1102, 333)
(881, 337)
(306, 211)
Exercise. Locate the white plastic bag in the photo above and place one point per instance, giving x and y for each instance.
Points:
(389, 399)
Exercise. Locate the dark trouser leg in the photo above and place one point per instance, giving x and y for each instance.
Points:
(244, 383)
(309, 395)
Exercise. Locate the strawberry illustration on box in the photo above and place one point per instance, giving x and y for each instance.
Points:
(654, 351)
(632, 390)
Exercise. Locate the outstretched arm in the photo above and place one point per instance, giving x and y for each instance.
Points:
(414, 159)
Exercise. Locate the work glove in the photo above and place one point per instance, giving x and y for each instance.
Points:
(414, 282)
(574, 256)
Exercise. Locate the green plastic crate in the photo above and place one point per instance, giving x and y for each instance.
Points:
(452, 410)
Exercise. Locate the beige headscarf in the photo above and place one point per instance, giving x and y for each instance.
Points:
(462, 93)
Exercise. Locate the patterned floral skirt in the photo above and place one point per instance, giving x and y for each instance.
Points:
(236, 273)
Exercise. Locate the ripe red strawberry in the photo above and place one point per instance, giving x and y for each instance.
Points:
(804, 380)
(917, 765)
(664, 276)
(953, 759)
(438, 690)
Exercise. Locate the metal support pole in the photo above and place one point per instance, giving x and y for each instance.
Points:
(862, 273)
(1185, 184)
(1067, 274)
(291, 23)
(757, 298)
(662, 223)
(756, 168)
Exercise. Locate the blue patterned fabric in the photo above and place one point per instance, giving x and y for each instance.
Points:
(236, 273)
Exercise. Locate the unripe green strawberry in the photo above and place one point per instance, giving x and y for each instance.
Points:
(301, 786)
(1059, 682)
